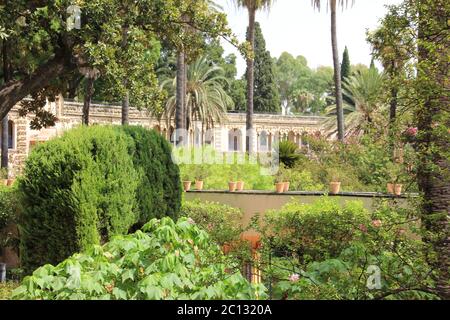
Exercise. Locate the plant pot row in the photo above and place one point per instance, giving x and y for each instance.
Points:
(187, 185)
(394, 188)
(281, 187)
(235, 186)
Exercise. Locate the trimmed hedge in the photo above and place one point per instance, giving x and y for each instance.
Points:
(80, 189)
(159, 190)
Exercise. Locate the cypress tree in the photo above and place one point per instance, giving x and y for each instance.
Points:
(266, 95)
(345, 66)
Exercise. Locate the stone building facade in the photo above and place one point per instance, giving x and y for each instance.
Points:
(226, 137)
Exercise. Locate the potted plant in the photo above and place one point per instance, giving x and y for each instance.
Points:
(285, 175)
(4, 176)
(186, 183)
(279, 182)
(200, 175)
(335, 183)
(394, 172)
(232, 184)
(239, 183)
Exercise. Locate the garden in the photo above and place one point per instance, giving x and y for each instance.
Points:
(104, 210)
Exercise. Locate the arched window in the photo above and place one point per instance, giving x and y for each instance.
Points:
(11, 134)
(234, 140)
(263, 142)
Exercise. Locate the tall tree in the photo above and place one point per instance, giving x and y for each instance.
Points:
(345, 66)
(252, 7)
(206, 99)
(433, 138)
(266, 95)
(337, 67)
(49, 51)
(391, 44)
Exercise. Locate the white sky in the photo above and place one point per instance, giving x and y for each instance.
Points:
(294, 26)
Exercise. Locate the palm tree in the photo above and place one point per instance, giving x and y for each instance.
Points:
(252, 6)
(205, 98)
(364, 92)
(337, 67)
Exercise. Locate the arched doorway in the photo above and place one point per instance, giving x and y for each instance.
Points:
(234, 140)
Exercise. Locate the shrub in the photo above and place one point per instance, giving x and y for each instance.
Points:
(222, 222)
(8, 205)
(76, 190)
(288, 153)
(159, 189)
(343, 256)
(314, 231)
(9, 212)
(166, 260)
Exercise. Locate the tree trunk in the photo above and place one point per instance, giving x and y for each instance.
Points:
(394, 101)
(4, 134)
(250, 82)
(73, 85)
(13, 92)
(180, 97)
(126, 98)
(89, 91)
(337, 73)
(433, 144)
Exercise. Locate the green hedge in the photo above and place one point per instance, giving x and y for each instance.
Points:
(159, 190)
(221, 221)
(81, 188)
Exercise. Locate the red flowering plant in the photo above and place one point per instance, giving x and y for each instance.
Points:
(410, 135)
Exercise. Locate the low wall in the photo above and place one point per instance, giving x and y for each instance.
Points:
(257, 202)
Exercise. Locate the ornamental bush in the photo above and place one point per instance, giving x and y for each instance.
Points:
(316, 231)
(221, 221)
(76, 190)
(92, 183)
(159, 189)
(166, 260)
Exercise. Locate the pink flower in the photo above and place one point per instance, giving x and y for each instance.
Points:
(294, 277)
(210, 226)
(401, 231)
(191, 221)
(411, 131)
(363, 228)
(376, 223)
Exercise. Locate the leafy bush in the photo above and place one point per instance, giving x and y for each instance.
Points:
(159, 190)
(314, 231)
(344, 253)
(92, 183)
(166, 260)
(222, 222)
(8, 205)
(9, 213)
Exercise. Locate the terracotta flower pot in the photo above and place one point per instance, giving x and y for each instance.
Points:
(279, 187)
(199, 184)
(390, 188)
(286, 186)
(232, 186)
(10, 182)
(240, 185)
(226, 248)
(335, 187)
(398, 189)
(187, 185)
